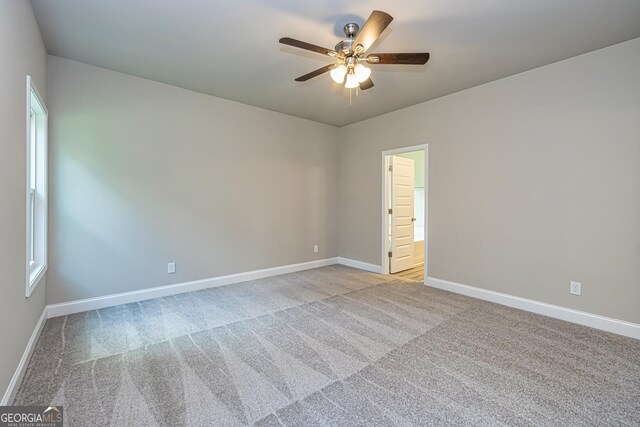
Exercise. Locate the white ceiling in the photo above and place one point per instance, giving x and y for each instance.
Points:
(230, 48)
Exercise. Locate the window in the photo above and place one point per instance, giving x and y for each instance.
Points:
(36, 144)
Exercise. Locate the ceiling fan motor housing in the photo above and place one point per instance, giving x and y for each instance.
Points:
(344, 46)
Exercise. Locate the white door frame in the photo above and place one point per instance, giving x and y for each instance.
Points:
(385, 202)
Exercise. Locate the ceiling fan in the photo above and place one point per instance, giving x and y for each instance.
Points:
(351, 51)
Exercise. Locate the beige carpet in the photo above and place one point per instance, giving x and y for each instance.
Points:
(331, 346)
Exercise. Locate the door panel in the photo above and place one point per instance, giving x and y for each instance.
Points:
(402, 182)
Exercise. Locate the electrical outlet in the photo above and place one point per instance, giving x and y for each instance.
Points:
(575, 288)
(171, 267)
(315, 248)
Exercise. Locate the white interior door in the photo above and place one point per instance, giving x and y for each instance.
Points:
(402, 182)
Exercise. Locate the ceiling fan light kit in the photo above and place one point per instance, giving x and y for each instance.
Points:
(350, 53)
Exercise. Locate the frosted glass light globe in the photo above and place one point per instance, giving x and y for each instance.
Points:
(352, 81)
(338, 73)
(362, 72)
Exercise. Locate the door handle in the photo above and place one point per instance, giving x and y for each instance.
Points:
(413, 219)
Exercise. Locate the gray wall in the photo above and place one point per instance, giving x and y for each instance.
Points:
(143, 173)
(534, 180)
(21, 52)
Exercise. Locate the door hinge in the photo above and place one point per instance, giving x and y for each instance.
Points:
(390, 168)
(390, 211)
(390, 254)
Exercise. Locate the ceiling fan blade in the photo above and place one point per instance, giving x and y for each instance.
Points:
(307, 46)
(316, 73)
(367, 84)
(372, 29)
(399, 58)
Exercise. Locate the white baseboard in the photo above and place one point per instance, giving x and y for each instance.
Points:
(361, 265)
(12, 389)
(78, 306)
(596, 321)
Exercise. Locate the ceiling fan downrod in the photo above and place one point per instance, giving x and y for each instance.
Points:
(344, 46)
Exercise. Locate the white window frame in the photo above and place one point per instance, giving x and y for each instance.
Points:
(36, 201)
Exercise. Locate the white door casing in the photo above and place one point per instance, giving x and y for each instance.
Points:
(402, 210)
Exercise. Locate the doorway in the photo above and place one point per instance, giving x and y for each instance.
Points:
(404, 209)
